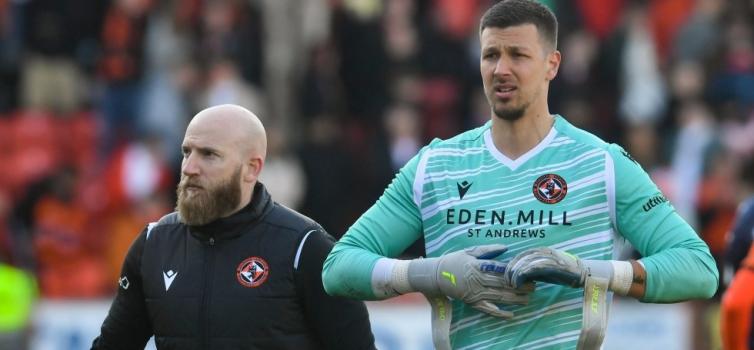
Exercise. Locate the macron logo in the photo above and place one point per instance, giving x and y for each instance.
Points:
(123, 282)
(169, 277)
(463, 187)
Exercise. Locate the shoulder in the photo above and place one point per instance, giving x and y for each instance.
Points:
(311, 241)
(584, 140)
(470, 138)
(287, 219)
(463, 144)
(569, 132)
(167, 220)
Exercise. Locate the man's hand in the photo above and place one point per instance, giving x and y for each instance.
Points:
(546, 265)
(558, 267)
(470, 276)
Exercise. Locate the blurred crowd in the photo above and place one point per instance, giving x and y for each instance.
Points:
(95, 96)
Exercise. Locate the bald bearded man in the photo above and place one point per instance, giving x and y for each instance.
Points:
(230, 268)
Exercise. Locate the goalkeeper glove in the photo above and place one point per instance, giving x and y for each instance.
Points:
(467, 275)
(558, 267)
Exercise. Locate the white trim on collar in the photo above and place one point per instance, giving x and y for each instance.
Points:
(511, 163)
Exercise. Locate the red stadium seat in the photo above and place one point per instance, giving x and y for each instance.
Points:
(34, 129)
(81, 138)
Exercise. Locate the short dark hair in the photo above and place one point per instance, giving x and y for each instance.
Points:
(510, 13)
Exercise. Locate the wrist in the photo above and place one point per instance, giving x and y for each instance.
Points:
(623, 274)
(400, 278)
(421, 275)
(618, 273)
(390, 278)
(639, 280)
(639, 273)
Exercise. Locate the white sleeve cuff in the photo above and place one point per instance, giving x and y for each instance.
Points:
(390, 278)
(623, 276)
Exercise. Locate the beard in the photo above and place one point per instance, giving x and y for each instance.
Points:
(209, 203)
(515, 108)
(510, 113)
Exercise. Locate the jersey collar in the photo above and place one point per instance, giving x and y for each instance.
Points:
(513, 164)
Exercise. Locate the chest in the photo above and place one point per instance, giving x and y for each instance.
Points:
(189, 283)
(548, 201)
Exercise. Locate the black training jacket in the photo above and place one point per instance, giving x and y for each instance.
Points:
(248, 281)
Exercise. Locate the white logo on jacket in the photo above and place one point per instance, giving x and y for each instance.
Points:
(123, 282)
(169, 276)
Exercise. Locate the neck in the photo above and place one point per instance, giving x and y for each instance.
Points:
(514, 138)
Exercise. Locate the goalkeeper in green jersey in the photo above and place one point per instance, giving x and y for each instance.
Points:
(521, 216)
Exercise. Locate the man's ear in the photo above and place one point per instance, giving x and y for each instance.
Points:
(253, 169)
(553, 64)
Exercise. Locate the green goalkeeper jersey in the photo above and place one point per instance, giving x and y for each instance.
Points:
(572, 192)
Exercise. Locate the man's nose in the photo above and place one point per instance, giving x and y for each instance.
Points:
(190, 166)
(502, 67)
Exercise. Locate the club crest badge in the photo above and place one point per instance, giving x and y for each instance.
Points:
(550, 188)
(252, 272)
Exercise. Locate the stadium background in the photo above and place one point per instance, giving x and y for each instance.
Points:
(95, 96)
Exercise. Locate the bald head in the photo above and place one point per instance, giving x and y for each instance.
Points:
(223, 153)
(234, 125)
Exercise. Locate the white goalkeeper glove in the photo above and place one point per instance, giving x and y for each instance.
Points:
(558, 267)
(468, 275)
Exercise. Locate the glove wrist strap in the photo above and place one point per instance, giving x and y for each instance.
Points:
(421, 275)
